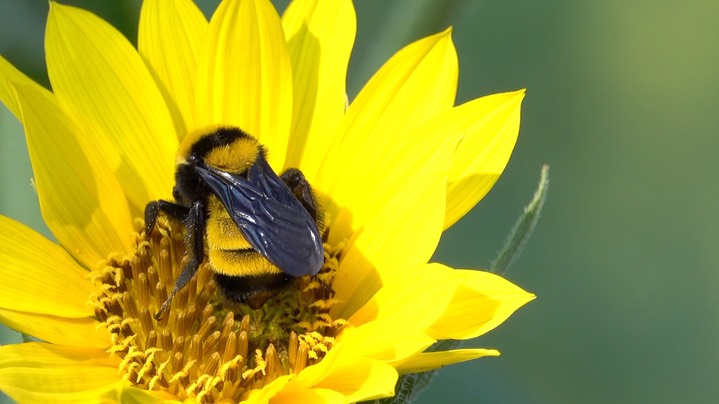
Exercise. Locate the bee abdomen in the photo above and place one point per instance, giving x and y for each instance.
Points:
(252, 290)
(240, 263)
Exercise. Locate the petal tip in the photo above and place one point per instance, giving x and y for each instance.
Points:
(439, 37)
(55, 6)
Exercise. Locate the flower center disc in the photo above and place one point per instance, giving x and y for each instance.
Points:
(205, 347)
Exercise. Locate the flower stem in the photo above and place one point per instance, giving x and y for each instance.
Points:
(523, 228)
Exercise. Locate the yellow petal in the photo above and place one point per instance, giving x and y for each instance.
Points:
(383, 180)
(57, 330)
(357, 378)
(170, 39)
(387, 340)
(37, 276)
(245, 76)
(481, 303)
(320, 35)
(101, 81)
(483, 152)
(81, 201)
(432, 360)
(8, 75)
(361, 379)
(41, 354)
(313, 396)
(59, 384)
(397, 218)
(267, 392)
(415, 84)
(418, 298)
(132, 395)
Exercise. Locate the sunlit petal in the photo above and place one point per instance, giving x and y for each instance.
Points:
(319, 35)
(356, 377)
(81, 201)
(400, 217)
(9, 75)
(170, 39)
(433, 360)
(37, 276)
(267, 392)
(361, 379)
(101, 82)
(381, 145)
(59, 384)
(483, 301)
(419, 303)
(39, 354)
(387, 339)
(319, 396)
(491, 127)
(415, 84)
(57, 330)
(245, 75)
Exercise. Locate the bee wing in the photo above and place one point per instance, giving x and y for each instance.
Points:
(270, 217)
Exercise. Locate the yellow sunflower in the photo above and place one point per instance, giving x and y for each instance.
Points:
(392, 170)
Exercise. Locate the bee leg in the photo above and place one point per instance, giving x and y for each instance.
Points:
(152, 209)
(297, 183)
(195, 224)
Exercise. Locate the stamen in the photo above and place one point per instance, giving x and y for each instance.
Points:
(200, 349)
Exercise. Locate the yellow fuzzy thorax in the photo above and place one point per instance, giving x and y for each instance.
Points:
(236, 157)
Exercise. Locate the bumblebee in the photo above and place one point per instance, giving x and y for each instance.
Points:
(259, 231)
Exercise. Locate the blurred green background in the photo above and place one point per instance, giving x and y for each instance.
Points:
(622, 103)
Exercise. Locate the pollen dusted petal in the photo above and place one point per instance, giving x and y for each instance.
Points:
(37, 276)
(490, 135)
(433, 360)
(170, 39)
(102, 83)
(245, 76)
(58, 330)
(481, 303)
(320, 35)
(8, 75)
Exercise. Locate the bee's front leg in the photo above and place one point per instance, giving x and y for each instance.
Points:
(172, 210)
(195, 246)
